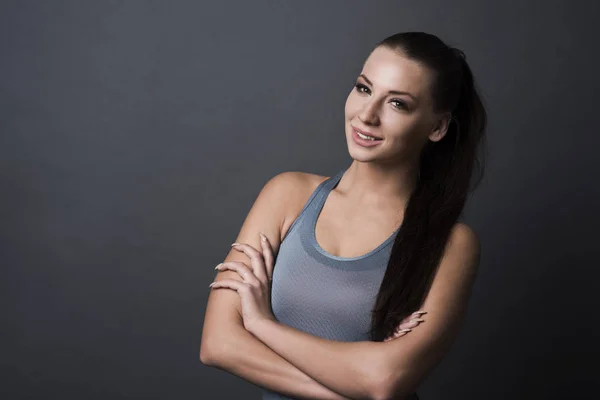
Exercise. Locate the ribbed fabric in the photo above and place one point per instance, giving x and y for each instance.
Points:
(319, 293)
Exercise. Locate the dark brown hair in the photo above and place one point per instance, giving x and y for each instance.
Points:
(447, 175)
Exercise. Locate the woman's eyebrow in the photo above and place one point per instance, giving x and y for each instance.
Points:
(391, 91)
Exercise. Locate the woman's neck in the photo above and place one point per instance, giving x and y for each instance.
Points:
(368, 184)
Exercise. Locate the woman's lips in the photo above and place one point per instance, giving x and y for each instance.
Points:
(365, 132)
(364, 142)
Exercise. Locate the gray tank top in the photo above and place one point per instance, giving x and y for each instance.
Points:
(320, 293)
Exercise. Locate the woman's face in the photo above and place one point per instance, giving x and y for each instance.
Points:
(404, 121)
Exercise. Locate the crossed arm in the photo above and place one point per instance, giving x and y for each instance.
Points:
(226, 344)
(297, 364)
(386, 370)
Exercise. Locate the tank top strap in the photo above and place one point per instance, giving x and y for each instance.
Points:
(323, 192)
(315, 201)
(318, 196)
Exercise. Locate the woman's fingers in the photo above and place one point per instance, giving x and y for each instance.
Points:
(256, 259)
(230, 284)
(411, 321)
(399, 333)
(242, 269)
(267, 255)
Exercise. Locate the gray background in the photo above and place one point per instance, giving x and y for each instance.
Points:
(135, 135)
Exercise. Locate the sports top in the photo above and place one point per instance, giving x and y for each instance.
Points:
(320, 293)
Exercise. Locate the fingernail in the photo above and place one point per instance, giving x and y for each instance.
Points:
(263, 237)
(419, 319)
(217, 267)
(235, 244)
(406, 330)
(212, 284)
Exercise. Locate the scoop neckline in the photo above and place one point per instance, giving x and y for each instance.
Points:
(313, 236)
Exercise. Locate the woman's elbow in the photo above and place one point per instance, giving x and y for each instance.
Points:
(400, 386)
(206, 357)
(211, 351)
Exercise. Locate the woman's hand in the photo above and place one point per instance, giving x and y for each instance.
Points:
(255, 288)
(406, 325)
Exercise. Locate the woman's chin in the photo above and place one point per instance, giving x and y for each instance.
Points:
(359, 154)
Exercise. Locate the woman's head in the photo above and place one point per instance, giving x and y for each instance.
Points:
(434, 82)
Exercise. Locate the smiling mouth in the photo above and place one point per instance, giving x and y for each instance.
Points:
(364, 134)
(366, 137)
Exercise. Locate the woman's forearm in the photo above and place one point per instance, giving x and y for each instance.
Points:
(242, 354)
(349, 368)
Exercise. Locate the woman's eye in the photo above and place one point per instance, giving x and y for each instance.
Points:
(360, 86)
(401, 103)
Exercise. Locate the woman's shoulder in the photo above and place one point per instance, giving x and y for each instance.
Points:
(296, 183)
(463, 233)
(295, 188)
(464, 243)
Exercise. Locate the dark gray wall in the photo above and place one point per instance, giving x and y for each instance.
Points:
(135, 135)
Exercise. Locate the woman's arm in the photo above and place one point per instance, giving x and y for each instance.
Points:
(225, 343)
(347, 367)
(242, 354)
(378, 370)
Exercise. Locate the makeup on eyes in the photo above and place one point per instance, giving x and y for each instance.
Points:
(402, 104)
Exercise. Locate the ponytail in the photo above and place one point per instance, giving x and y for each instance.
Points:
(447, 168)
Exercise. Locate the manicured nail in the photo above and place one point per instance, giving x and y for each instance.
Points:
(235, 244)
(212, 284)
(263, 237)
(217, 267)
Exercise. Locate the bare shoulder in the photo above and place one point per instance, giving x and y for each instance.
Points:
(459, 264)
(464, 235)
(465, 238)
(463, 251)
(298, 181)
(296, 187)
(292, 184)
(282, 196)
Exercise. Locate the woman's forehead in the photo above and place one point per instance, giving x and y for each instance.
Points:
(390, 70)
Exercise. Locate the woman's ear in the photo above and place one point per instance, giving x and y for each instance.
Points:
(441, 127)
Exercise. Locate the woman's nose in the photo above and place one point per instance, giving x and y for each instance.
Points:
(368, 114)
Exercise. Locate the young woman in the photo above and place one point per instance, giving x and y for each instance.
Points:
(318, 308)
